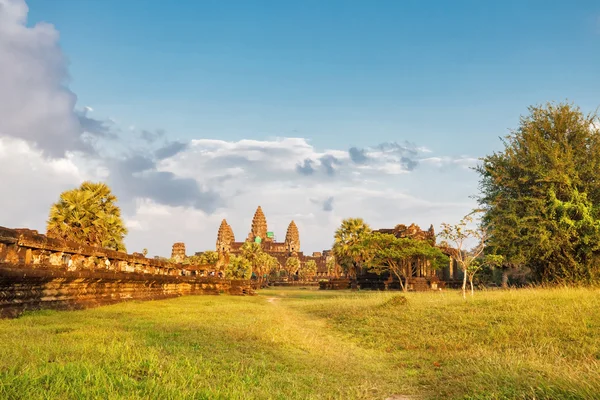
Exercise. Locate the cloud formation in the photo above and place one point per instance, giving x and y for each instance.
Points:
(35, 103)
(173, 191)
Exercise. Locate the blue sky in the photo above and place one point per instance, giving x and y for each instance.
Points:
(316, 110)
(448, 75)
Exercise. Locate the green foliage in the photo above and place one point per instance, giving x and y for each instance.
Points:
(292, 264)
(238, 268)
(308, 270)
(541, 195)
(347, 247)
(267, 264)
(385, 252)
(262, 263)
(210, 257)
(88, 215)
(205, 258)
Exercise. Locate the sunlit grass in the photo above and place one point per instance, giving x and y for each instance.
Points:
(305, 343)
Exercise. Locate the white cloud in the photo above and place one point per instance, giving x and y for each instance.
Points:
(31, 183)
(34, 102)
(179, 192)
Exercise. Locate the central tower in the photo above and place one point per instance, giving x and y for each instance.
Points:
(259, 227)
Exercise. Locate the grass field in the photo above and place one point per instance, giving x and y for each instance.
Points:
(304, 343)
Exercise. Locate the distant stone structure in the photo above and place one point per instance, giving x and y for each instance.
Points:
(259, 233)
(412, 231)
(41, 272)
(421, 276)
(178, 252)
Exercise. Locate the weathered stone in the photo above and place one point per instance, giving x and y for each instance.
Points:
(40, 272)
(25, 288)
(292, 238)
(178, 252)
(259, 226)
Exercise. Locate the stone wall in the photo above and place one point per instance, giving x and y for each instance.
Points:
(41, 272)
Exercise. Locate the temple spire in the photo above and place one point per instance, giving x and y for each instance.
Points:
(292, 238)
(224, 236)
(259, 226)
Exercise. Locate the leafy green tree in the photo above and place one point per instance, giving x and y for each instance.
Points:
(210, 257)
(206, 258)
(88, 215)
(292, 264)
(238, 268)
(541, 195)
(347, 246)
(252, 252)
(385, 252)
(145, 252)
(308, 270)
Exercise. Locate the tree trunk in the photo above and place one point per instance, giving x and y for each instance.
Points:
(504, 278)
(471, 282)
(464, 286)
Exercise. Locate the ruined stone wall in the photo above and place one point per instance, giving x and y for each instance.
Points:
(41, 272)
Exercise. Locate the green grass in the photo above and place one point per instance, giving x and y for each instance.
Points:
(308, 344)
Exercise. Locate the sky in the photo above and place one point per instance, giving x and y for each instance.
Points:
(196, 111)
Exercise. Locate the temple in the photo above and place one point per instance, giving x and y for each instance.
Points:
(259, 233)
(419, 272)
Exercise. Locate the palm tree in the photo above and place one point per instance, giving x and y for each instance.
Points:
(252, 252)
(292, 264)
(347, 247)
(88, 215)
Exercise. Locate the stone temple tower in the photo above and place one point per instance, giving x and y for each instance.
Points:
(292, 238)
(224, 238)
(259, 226)
(178, 252)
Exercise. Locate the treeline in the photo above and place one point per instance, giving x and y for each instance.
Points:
(253, 262)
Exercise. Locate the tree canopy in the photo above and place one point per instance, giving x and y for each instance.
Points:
(238, 268)
(308, 270)
(347, 246)
(292, 264)
(88, 215)
(541, 195)
(385, 252)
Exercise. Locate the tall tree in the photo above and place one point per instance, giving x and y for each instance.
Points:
(265, 264)
(88, 215)
(252, 251)
(347, 246)
(541, 195)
